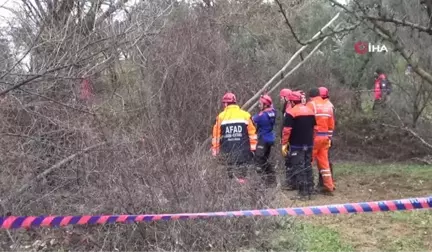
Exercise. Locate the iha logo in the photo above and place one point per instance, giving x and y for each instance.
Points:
(362, 47)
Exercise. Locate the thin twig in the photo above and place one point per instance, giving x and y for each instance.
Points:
(56, 166)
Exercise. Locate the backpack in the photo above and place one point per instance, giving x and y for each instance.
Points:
(386, 86)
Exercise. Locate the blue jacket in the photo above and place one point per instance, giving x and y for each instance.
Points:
(265, 121)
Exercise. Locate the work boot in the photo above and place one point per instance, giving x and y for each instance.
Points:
(325, 192)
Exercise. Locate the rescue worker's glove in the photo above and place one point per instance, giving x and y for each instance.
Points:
(285, 150)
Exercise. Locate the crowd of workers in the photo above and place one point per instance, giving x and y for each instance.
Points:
(306, 136)
(307, 129)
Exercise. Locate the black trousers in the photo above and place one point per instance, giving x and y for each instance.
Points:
(262, 159)
(290, 179)
(301, 162)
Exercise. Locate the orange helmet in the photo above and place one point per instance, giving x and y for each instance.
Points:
(266, 100)
(229, 98)
(284, 93)
(324, 93)
(295, 96)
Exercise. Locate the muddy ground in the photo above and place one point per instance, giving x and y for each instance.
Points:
(376, 231)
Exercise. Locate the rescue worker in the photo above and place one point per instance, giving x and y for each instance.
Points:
(290, 180)
(324, 123)
(264, 122)
(304, 100)
(297, 136)
(283, 94)
(382, 89)
(324, 93)
(234, 137)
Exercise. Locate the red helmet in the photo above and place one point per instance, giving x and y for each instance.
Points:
(324, 93)
(284, 93)
(295, 96)
(229, 98)
(266, 100)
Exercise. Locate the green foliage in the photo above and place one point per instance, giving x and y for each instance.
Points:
(406, 244)
(416, 171)
(321, 238)
(307, 237)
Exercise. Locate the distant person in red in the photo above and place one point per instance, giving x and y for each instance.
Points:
(86, 91)
(382, 89)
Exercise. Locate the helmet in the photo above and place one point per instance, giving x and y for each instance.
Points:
(314, 92)
(324, 93)
(229, 98)
(284, 93)
(266, 100)
(295, 96)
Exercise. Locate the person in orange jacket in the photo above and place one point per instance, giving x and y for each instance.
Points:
(298, 137)
(234, 137)
(324, 93)
(325, 123)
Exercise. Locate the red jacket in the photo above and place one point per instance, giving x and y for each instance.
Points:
(378, 86)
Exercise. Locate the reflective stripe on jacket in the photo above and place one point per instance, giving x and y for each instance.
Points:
(298, 127)
(323, 115)
(234, 134)
(334, 116)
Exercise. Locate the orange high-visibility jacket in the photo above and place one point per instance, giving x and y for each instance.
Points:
(324, 116)
(334, 116)
(234, 133)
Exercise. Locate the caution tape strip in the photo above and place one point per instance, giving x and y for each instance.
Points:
(15, 222)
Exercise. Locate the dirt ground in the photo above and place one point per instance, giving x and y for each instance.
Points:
(375, 231)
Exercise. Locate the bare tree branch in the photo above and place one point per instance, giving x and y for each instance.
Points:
(385, 34)
(33, 78)
(319, 38)
(401, 22)
(407, 129)
(25, 54)
(56, 166)
(412, 132)
(293, 70)
(282, 10)
(280, 73)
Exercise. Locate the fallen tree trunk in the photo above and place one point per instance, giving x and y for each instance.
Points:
(208, 140)
(56, 166)
(278, 74)
(412, 132)
(292, 71)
